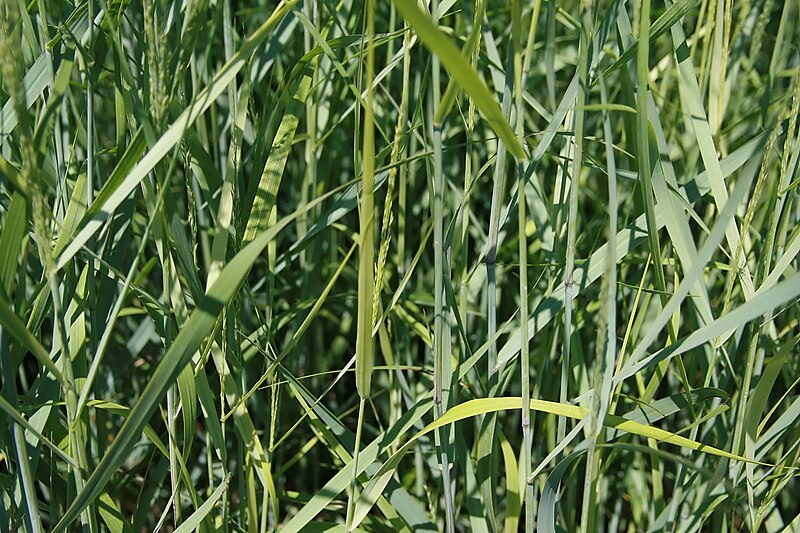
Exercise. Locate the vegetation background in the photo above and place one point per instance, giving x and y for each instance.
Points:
(265, 266)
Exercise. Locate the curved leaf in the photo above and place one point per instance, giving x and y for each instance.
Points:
(481, 406)
(460, 70)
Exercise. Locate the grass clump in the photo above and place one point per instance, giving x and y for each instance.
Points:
(383, 266)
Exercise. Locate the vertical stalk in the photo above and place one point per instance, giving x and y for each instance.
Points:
(309, 149)
(550, 55)
(311, 343)
(398, 148)
(90, 174)
(537, 6)
(525, 371)
(594, 426)
(174, 468)
(437, 201)
(606, 339)
(743, 443)
(366, 274)
(438, 281)
(572, 217)
(527, 435)
(465, 211)
(491, 264)
(351, 498)
(726, 43)
(643, 149)
(487, 438)
(90, 163)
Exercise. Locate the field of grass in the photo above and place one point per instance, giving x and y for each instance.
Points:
(338, 265)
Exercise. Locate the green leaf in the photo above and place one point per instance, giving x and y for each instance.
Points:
(266, 193)
(194, 520)
(669, 18)
(513, 499)
(459, 68)
(12, 323)
(15, 415)
(37, 79)
(14, 228)
(551, 493)
(111, 515)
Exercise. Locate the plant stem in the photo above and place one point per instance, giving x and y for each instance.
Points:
(572, 224)
(351, 495)
(437, 204)
(525, 370)
(366, 273)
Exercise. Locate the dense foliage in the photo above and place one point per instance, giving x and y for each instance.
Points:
(264, 266)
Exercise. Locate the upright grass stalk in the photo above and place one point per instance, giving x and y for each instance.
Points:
(398, 148)
(606, 347)
(437, 206)
(643, 144)
(550, 54)
(310, 287)
(498, 189)
(487, 439)
(310, 149)
(572, 216)
(527, 434)
(525, 370)
(743, 441)
(596, 415)
(464, 259)
(726, 46)
(528, 56)
(90, 164)
(646, 187)
(366, 265)
(783, 203)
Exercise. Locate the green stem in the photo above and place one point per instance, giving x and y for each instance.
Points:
(351, 495)
(366, 274)
(572, 230)
(488, 439)
(437, 201)
(525, 370)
